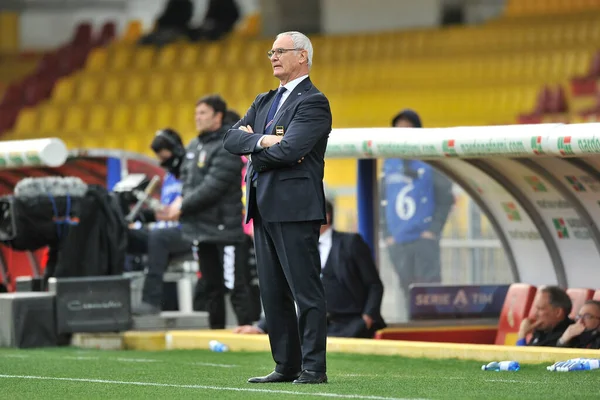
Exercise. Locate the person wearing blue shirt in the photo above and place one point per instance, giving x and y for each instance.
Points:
(164, 240)
(416, 201)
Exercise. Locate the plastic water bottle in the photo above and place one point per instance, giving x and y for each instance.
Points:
(501, 366)
(557, 366)
(217, 346)
(584, 365)
(566, 366)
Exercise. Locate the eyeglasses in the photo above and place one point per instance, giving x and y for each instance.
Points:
(279, 52)
(586, 316)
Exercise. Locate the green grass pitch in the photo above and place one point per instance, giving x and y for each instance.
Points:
(68, 373)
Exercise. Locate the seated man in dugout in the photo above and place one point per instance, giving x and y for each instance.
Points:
(352, 285)
(585, 332)
(552, 307)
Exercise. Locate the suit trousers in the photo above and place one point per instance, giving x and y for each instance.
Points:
(289, 267)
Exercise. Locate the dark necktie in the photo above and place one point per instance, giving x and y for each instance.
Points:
(271, 117)
(273, 109)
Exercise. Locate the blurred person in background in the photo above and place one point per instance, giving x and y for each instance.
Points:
(239, 265)
(552, 307)
(352, 286)
(165, 240)
(172, 24)
(210, 208)
(416, 201)
(585, 332)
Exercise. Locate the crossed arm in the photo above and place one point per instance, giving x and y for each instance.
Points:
(311, 122)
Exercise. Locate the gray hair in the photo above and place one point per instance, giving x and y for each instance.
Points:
(301, 41)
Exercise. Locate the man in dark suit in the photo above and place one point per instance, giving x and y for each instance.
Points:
(285, 134)
(352, 285)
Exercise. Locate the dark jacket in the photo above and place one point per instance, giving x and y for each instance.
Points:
(353, 265)
(550, 338)
(211, 211)
(587, 340)
(351, 261)
(286, 191)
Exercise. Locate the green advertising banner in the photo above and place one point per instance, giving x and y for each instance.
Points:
(562, 140)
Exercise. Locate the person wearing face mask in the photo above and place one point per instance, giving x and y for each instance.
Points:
(164, 240)
(585, 332)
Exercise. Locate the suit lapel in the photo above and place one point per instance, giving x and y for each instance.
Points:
(261, 118)
(333, 258)
(296, 95)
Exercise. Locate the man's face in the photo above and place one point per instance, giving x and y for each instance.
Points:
(403, 123)
(163, 155)
(287, 64)
(548, 315)
(207, 120)
(590, 316)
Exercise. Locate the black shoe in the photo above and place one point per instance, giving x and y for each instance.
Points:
(274, 377)
(311, 377)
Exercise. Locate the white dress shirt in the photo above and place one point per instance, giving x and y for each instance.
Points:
(325, 242)
(290, 86)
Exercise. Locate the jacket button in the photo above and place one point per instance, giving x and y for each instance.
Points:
(221, 227)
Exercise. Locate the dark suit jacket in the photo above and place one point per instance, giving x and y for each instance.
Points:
(353, 264)
(287, 191)
(351, 260)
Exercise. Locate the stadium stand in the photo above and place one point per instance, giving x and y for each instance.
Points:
(30, 79)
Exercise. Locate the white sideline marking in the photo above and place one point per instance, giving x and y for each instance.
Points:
(135, 359)
(171, 385)
(510, 381)
(402, 376)
(214, 365)
(80, 358)
(15, 355)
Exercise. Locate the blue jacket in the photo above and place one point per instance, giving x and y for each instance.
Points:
(171, 189)
(410, 201)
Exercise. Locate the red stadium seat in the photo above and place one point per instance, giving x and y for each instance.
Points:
(517, 305)
(578, 297)
(597, 295)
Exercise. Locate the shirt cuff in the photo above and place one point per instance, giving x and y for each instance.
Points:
(521, 342)
(258, 147)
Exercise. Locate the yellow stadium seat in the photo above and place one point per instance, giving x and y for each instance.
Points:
(50, 119)
(164, 115)
(97, 60)
(133, 31)
(211, 55)
(111, 89)
(219, 83)
(64, 90)
(157, 86)
(74, 119)
(143, 58)
(143, 118)
(199, 85)
(135, 87)
(189, 57)
(179, 86)
(88, 89)
(98, 120)
(121, 118)
(27, 122)
(120, 59)
(183, 119)
(168, 56)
